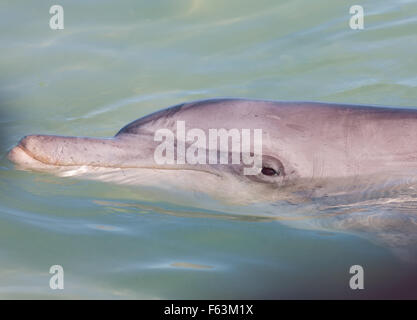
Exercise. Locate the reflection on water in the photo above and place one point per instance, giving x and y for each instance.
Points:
(143, 208)
(113, 64)
(189, 265)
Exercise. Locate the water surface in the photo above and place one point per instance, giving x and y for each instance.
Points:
(115, 62)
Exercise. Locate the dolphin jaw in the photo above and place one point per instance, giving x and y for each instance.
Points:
(23, 159)
(26, 160)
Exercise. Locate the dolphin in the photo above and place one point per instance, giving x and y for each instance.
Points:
(354, 163)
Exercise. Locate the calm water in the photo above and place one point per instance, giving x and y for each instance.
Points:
(114, 63)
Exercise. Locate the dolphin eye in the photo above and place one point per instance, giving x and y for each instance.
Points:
(269, 171)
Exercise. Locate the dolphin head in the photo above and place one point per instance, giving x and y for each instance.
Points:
(130, 156)
(302, 146)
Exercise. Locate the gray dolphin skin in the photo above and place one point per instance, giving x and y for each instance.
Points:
(333, 157)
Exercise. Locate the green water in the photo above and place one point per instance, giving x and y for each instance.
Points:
(117, 61)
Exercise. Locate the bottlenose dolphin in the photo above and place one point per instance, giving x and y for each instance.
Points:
(357, 164)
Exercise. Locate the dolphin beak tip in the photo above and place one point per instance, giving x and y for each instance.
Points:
(19, 154)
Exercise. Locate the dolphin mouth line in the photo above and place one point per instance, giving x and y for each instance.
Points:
(32, 156)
